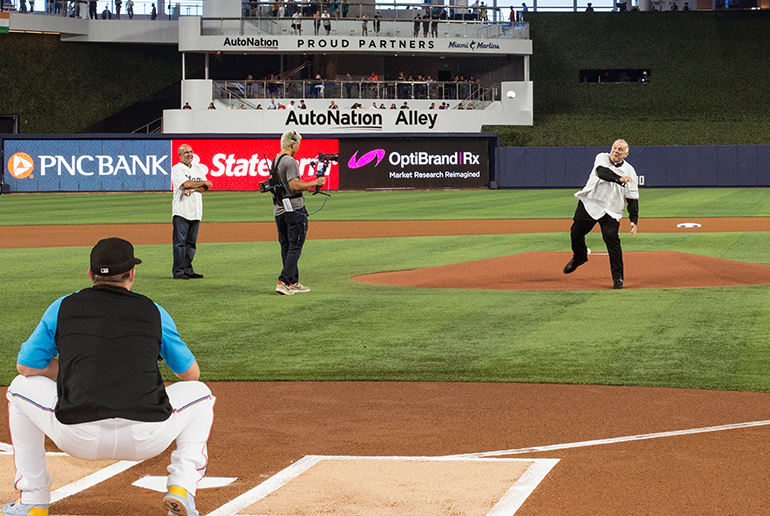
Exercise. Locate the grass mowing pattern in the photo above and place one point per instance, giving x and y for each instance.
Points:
(714, 338)
(149, 208)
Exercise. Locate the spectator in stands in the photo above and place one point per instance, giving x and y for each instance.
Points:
(22, 6)
(118, 4)
(590, 8)
(106, 14)
(374, 106)
(686, 6)
(231, 107)
(432, 105)
(393, 106)
(187, 106)
(364, 27)
(211, 105)
(434, 26)
(130, 9)
(483, 12)
(272, 104)
(470, 106)
(92, 10)
(154, 13)
(316, 22)
(345, 7)
(425, 25)
(523, 10)
(348, 84)
(512, 16)
(296, 23)
(302, 104)
(327, 22)
(382, 106)
(376, 23)
(281, 106)
(259, 106)
(333, 105)
(292, 105)
(243, 107)
(417, 19)
(405, 105)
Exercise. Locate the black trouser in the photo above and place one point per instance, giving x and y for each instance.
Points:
(292, 230)
(582, 224)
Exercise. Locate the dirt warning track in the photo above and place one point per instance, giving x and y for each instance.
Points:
(149, 234)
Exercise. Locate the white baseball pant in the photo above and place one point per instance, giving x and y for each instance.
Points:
(31, 402)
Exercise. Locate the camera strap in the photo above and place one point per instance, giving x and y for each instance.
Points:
(280, 191)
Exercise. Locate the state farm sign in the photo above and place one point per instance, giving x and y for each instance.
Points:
(243, 164)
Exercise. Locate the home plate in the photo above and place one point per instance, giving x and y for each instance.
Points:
(159, 483)
(688, 225)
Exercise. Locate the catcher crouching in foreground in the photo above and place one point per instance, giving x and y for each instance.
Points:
(89, 380)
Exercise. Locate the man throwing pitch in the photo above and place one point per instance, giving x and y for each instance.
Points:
(89, 380)
(611, 185)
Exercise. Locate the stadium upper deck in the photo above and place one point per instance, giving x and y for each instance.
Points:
(408, 64)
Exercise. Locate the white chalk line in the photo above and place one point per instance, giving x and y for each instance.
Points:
(513, 499)
(613, 440)
(91, 480)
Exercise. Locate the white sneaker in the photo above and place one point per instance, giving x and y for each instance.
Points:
(299, 287)
(20, 509)
(284, 289)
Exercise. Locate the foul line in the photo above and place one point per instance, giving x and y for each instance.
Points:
(614, 440)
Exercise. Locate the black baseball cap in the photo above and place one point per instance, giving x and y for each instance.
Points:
(112, 256)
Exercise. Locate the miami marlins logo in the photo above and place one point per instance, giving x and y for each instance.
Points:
(356, 162)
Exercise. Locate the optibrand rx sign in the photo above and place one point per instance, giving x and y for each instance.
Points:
(87, 165)
(414, 163)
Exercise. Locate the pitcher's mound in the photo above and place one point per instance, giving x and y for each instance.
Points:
(540, 270)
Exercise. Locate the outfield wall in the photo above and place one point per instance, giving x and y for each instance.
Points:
(103, 163)
(660, 166)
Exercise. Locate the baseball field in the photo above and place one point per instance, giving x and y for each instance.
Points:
(434, 323)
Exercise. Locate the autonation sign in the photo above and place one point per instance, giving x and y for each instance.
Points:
(87, 165)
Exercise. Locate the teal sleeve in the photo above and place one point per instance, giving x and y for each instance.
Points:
(40, 347)
(172, 348)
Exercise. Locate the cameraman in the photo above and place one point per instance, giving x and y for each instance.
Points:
(290, 213)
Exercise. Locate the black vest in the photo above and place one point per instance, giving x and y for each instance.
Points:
(109, 346)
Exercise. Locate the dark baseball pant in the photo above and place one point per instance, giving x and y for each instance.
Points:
(292, 229)
(582, 224)
(185, 239)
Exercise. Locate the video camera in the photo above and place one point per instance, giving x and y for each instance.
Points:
(324, 160)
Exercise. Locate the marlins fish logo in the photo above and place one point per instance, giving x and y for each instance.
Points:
(21, 165)
(356, 162)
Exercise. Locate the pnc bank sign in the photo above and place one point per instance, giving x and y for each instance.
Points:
(87, 165)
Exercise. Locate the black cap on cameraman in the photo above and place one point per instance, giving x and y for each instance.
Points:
(112, 256)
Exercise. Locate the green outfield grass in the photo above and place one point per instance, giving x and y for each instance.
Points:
(144, 208)
(713, 338)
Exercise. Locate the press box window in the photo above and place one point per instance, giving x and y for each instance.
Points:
(616, 75)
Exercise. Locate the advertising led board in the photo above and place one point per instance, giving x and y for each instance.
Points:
(414, 163)
(243, 164)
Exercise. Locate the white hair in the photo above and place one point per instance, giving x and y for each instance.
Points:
(290, 137)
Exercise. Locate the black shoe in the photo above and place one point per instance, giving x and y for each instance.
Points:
(182, 276)
(617, 284)
(195, 276)
(572, 265)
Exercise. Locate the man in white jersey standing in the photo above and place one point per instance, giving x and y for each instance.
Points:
(611, 185)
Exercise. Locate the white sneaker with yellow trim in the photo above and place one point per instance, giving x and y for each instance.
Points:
(178, 502)
(23, 509)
